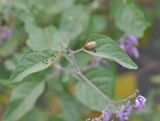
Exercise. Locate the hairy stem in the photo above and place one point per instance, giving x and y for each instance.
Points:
(71, 58)
(136, 93)
(77, 51)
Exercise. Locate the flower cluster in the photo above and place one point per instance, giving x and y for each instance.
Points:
(128, 44)
(123, 112)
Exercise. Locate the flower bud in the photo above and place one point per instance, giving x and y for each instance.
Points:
(140, 102)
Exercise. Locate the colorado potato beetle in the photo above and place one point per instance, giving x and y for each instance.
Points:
(91, 45)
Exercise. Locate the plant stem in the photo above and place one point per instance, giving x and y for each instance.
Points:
(77, 51)
(94, 87)
(128, 98)
(71, 58)
(75, 64)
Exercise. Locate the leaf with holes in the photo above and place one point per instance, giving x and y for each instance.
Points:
(32, 62)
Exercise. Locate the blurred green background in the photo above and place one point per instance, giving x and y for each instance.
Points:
(99, 20)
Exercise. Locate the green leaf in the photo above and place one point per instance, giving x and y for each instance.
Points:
(109, 49)
(98, 24)
(86, 59)
(41, 39)
(131, 20)
(75, 21)
(8, 47)
(47, 38)
(4, 73)
(10, 64)
(4, 82)
(53, 7)
(24, 97)
(71, 109)
(36, 114)
(32, 62)
(103, 79)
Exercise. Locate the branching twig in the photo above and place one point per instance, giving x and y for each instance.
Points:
(136, 93)
(71, 58)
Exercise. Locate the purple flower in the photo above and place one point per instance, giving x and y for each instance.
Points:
(140, 102)
(134, 52)
(128, 44)
(106, 115)
(124, 112)
(132, 38)
(7, 33)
